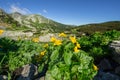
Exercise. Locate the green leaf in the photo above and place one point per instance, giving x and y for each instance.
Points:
(48, 76)
(67, 58)
(54, 55)
(55, 72)
(67, 76)
(74, 69)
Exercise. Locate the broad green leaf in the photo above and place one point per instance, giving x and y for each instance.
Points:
(54, 55)
(74, 69)
(67, 58)
(48, 76)
(55, 72)
(67, 76)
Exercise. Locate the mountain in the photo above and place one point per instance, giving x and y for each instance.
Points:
(6, 20)
(32, 22)
(99, 27)
(39, 23)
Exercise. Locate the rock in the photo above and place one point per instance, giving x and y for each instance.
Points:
(41, 78)
(117, 70)
(28, 72)
(106, 76)
(47, 37)
(105, 65)
(115, 47)
(3, 77)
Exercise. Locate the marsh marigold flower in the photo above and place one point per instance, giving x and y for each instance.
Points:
(76, 49)
(78, 45)
(58, 42)
(95, 67)
(46, 45)
(53, 39)
(1, 31)
(35, 39)
(62, 35)
(43, 53)
(73, 39)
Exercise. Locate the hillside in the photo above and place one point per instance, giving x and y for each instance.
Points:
(39, 23)
(32, 22)
(6, 20)
(100, 27)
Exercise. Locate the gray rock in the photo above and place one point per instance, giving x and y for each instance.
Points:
(28, 72)
(41, 78)
(106, 76)
(115, 47)
(117, 70)
(105, 65)
(3, 77)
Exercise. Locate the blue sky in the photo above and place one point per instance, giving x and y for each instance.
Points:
(75, 12)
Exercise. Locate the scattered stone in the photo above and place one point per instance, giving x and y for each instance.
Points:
(3, 77)
(106, 76)
(105, 65)
(41, 78)
(28, 72)
(47, 37)
(115, 47)
(15, 34)
(117, 70)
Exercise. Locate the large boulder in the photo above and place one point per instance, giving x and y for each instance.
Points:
(106, 76)
(28, 72)
(105, 65)
(115, 48)
(3, 77)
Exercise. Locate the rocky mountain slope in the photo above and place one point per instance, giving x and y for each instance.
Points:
(38, 22)
(33, 22)
(6, 20)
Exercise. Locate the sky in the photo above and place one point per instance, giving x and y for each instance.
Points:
(73, 12)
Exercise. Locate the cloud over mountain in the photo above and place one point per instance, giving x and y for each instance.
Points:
(15, 8)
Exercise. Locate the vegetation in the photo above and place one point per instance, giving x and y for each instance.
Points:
(101, 27)
(69, 59)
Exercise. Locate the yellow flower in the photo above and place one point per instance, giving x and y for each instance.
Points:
(1, 31)
(73, 39)
(95, 67)
(53, 39)
(43, 53)
(57, 42)
(19, 38)
(76, 49)
(62, 35)
(35, 39)
(78, 45)
(46, 45)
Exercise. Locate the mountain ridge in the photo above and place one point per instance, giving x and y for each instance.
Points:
(98, 27)
(39, 24)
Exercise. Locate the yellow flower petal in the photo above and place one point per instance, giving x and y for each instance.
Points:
(95, 67)
(53, 39)
(58, 42)
(76, 49)
(62, 35)
(1, 31)
(78, 45)
(73, 39)
(43, 53)
(46, 45)
(35, 39)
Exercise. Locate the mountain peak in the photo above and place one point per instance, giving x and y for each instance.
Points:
(17, 13)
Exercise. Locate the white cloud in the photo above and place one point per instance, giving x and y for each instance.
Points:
(45, 11)
(14, 8)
